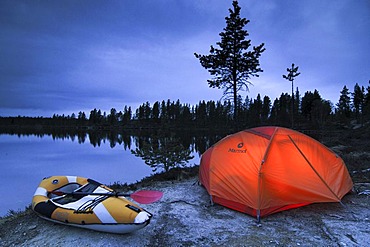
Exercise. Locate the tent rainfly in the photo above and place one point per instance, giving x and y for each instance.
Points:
(264, 170)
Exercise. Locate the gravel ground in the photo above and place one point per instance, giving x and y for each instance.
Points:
(184, 217)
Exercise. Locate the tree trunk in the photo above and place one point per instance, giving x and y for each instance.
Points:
(235, 100)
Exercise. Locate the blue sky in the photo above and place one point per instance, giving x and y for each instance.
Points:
(68, 56)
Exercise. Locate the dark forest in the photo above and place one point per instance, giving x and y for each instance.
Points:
(311, 112)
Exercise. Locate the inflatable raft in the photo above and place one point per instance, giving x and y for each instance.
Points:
(93, 206)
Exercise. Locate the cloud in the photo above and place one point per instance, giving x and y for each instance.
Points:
(145, 72)
(66, 56)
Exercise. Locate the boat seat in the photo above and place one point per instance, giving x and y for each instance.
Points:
(74, 187)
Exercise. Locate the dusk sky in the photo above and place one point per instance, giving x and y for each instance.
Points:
(68, 56)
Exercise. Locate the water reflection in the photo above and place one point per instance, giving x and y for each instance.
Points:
(163, 152)
(160, 150)
(105, 156)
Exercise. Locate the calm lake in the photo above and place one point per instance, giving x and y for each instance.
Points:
(26, 160)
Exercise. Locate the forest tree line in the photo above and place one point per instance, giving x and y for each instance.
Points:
(310, 111)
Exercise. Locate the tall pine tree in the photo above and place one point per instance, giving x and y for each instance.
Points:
(292, 73)
(358, 101)
(344, 105)
(233, 63)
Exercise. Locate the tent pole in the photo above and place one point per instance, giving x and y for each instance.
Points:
(313, 168)
(259, 185)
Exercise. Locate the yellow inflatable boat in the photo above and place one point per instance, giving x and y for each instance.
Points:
(85, 203)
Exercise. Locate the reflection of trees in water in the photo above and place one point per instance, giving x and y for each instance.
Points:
(160, 150)
(163, 153)
(196, 142)
(96, 138)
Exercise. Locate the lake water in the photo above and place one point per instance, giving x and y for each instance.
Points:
(26, 160)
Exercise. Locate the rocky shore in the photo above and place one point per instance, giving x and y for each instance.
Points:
(184, 217)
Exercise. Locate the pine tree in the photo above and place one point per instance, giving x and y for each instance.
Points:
(344, 105)
(232, 64)
(265, 109)
(292, 73)
(367, 103)
(156, 111)
(358, 101)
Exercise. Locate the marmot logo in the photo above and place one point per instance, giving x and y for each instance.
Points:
(239, 150)
(232, 150)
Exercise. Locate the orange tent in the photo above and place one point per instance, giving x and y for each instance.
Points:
(265, 170)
